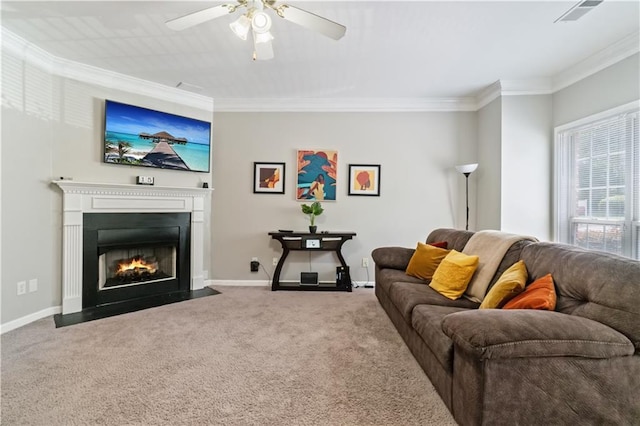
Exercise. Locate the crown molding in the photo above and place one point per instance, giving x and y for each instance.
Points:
(540, 86)
(35, 55)
(488, 95)
(628, 46)
(345, 105)
(65, 68)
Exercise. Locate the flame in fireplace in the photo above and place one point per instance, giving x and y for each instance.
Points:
(137, 265)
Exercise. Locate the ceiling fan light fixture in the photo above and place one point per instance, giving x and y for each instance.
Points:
(261, 22)
(241, 26)
(254, 18)
(262, 46)
(262, 37)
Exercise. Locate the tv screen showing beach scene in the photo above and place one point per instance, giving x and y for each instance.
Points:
(137, 136)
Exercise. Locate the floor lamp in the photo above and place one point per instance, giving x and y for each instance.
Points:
(466, 170)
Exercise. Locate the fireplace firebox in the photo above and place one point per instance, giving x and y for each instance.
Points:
(128, 256)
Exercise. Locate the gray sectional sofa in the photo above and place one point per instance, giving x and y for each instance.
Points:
(579, 364)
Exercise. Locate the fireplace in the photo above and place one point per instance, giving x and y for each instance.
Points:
(128, 256)
(81, 200)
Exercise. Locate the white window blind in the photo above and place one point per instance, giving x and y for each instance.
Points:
(598, 183)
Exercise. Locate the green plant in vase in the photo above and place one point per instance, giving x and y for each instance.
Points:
(313, 210)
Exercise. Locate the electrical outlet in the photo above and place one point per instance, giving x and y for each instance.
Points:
(255, 265)
(33, 285)
(22, 288)
(275, 261)
(365, 262)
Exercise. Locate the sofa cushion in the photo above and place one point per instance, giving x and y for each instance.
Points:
(386, 277)
(595, 285)
(453, 274)
(425, 260)
(427, 322)
(392, 257)
(510, 284)
(456, 239)
(540, 294)
(406, 295)
(523, 333)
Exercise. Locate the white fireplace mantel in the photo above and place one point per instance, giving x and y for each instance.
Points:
(82, 197)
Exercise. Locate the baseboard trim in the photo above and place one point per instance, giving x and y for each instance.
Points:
(28, 319)
(240, 283)
(267, 283)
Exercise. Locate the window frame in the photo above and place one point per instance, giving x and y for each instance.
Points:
(564, 192)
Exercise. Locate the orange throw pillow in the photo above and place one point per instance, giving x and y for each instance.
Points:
(540, 294)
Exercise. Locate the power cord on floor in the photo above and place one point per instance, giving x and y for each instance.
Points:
(365, 284)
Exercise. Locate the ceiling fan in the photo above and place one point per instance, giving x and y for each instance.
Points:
(255, 18)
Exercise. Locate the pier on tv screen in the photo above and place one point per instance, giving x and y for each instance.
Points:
(136, 136)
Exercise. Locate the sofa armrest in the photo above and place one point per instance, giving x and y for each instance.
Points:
(392, 257)
(495, 333)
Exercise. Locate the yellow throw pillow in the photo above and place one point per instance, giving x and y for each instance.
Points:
(510, 284)
(425, 260)
(453, 274)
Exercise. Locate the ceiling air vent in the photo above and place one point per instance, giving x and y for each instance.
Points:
(578, 11)
(190, 87)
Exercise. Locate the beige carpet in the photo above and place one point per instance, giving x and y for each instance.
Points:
(248, 356)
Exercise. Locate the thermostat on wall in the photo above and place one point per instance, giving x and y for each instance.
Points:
(145, 180)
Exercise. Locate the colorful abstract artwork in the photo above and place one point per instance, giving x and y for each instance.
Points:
(364, 179)
(268, 178)
(317, 175)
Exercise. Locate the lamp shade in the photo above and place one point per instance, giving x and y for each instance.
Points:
(467, 168)
(241, 27)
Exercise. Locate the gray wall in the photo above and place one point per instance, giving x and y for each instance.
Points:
(515, 147)
(420, 189)
(613, 86)
(52, 127)
(488, 176)
(526, 166)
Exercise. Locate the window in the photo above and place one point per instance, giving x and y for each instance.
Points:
(598, 182)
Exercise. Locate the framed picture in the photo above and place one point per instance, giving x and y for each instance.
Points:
(364, 179)
(268, 178)
(137, 136)
(317, 176)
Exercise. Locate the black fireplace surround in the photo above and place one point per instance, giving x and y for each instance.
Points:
(109, 231)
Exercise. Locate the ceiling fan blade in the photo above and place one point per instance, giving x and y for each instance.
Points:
(311, 21)
(195, 18)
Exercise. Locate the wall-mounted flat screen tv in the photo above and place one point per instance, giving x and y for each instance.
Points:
(137, 136)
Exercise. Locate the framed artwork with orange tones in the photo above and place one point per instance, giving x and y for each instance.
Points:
(364, 179)
(317, 177)
(268, 178)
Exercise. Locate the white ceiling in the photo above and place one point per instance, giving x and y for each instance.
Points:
(392, 49)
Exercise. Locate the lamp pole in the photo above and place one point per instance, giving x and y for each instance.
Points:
(466, 178)
(466, 170)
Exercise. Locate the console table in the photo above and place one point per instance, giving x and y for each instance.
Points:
(326, 241)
